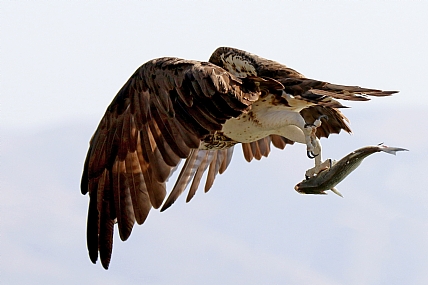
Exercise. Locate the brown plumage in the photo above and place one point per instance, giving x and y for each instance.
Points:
(173, 109)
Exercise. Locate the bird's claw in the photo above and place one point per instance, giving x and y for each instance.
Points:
(319, 168)
(311, 155)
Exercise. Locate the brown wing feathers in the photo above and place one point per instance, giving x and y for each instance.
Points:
(297, 84)
(195, 166)
(260, 148)
(332, 124)
(324, 93)
(158, 117)
(187, 172)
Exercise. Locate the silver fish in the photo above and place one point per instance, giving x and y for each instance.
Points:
(328, 179)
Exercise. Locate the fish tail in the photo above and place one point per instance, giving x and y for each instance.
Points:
(391, 150)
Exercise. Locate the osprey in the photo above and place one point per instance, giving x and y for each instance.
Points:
(173, 109)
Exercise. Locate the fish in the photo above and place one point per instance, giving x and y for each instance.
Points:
(339, 170)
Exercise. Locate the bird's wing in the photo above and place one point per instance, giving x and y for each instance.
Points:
(158, 118)
(216, 161)
(332, 120)
(321, 96)
(239, 62)
(325, 94)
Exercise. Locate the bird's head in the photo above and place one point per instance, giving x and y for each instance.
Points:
(240, 63)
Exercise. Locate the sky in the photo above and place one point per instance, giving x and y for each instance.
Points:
(62, 63)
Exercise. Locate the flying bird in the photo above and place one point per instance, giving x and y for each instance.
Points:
(173, 109)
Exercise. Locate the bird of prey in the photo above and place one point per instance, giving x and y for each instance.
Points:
(173, 109)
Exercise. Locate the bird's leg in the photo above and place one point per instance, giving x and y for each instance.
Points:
(311, 139)
(319, 164)
(314, 148)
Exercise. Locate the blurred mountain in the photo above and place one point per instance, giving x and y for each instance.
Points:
(251, 228)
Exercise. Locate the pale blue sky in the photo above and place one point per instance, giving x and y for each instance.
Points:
(63, 62)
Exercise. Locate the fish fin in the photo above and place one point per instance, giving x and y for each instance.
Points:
(335, 191)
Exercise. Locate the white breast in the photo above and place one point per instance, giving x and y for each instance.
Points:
(263, 120)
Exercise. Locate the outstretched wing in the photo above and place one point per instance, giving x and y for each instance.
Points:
(245, 64)
(158, 118)
(318, 97)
